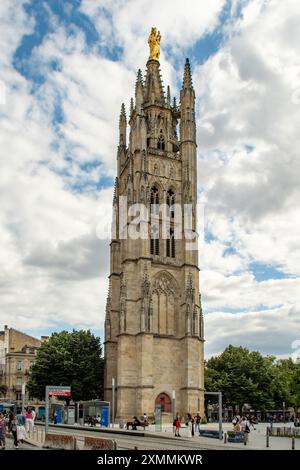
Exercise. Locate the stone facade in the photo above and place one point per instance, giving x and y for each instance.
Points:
(154, 325)
(17, 355)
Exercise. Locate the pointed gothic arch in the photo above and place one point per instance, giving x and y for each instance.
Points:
(164, 400)
(161, 141)
(165, 298)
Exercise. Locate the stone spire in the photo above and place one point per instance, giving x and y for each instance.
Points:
(139, 78)
(168, 97)
(187, 76)
(131, 106)
(139, 92)
(153, 89)
(122, 126)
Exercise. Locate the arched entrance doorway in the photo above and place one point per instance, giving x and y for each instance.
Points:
(164, 400)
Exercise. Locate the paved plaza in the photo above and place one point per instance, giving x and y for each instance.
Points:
(165, 440)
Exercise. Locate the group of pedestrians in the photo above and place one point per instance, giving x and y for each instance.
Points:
(17, 425)
(192, 423)
(243, 425)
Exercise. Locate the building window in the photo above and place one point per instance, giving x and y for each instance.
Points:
(31, 363)
(18, 396)
(171, 245)
(154, 240)
(161, 142)
(19, 381)
(170, 202)
(19, 365)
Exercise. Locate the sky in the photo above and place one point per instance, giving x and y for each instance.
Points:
(65, 68)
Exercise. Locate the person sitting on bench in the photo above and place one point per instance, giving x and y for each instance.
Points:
(134, 423)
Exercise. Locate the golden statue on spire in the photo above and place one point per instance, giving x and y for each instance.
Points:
(154, 44)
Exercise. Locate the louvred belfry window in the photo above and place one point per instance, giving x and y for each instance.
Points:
(154, 240)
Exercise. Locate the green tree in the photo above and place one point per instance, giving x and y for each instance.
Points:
(295, 385)
(73, 359)
(243, 377)
(282, 377)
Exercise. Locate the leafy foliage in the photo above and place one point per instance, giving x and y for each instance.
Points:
(73, 359)
(247, 377)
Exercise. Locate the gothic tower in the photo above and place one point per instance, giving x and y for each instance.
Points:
(154, 323)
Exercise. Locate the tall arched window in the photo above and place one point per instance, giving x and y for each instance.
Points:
(154, 240)
(170, 202)
(170, 244)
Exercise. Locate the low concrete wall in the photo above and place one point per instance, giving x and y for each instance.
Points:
(99, 443)
(59, 441)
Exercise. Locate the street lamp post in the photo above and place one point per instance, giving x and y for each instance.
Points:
(23, 397)
(113, 401)
(174, 404)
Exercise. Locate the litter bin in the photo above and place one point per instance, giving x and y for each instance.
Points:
(121, 424)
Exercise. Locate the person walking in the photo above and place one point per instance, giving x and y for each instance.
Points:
(197, 420)
(245, 428)
(29, 420)
(190, 425)
(13, 428)
(145, 421)
(177, 426)
(2, 431)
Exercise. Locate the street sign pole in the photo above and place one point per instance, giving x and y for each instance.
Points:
(47, 410)
(113, 402)
(220, 415)
(174, 404)
(23, 397)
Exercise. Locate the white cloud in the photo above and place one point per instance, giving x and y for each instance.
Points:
(268, 331)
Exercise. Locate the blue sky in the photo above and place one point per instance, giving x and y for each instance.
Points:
(66, 67)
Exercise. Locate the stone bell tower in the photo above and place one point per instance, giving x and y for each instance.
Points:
(154, 325)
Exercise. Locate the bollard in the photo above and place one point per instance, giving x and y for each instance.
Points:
(293, 443)
(225, 437)
(267, 438)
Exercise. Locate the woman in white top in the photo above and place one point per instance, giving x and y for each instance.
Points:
(245, 428)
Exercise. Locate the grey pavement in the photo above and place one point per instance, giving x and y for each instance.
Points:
(152, 440)
(9, 445)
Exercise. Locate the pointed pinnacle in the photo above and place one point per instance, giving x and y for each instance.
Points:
(131, 106)
(122, 120)
(168, 96)
(139, 77)
(123, 112)
(174, 103)
(187, 77)
(115, 191)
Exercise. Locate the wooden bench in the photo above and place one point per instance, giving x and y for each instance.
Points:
(135, 424)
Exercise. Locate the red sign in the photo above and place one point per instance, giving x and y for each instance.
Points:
(60, 394)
